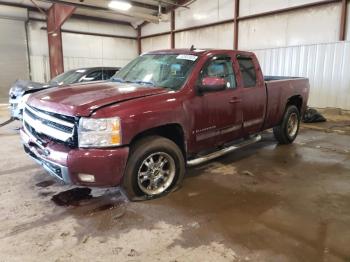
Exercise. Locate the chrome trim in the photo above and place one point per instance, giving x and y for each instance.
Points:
(223, 151)
(44, 129)
(26, 139)
(50, 118)
(211, 133)
(64, 170)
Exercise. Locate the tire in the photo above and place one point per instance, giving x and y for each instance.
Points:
(288, 130)
(153, 161)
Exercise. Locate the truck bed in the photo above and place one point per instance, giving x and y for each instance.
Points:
(278, 90)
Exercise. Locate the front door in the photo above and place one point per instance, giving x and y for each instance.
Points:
(220, 119)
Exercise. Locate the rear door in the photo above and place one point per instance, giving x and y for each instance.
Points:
(220, 118)
(253, 93)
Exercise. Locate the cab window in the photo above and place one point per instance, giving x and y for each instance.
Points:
(220, 67)
(247, 69)
(108, 73)
(93, 76)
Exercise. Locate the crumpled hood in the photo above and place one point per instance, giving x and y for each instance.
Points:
(83, 99)
(21, 86)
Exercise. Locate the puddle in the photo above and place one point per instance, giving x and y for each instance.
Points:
(72, 197)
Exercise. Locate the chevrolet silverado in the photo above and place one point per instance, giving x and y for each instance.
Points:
(164, 111)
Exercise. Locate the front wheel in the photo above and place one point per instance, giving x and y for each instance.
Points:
(156, 166)
(288, 130)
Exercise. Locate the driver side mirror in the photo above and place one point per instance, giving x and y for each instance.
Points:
(212, 84)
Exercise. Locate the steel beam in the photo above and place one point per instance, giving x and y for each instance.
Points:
(56, 16)
(139, 43)
(343, 17)
(172, 29)
(236, 27)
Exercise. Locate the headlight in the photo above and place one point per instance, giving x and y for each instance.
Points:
(99, 132)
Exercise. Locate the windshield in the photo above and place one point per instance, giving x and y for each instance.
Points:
(68, 77)
(161, 70)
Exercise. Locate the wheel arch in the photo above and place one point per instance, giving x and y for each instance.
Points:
(295, 100)
(172, 131)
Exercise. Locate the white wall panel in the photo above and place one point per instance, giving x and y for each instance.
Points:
(312, 25)
(326, 66)
(204, 12)
(14, 13)
(98, 48)
(40, 68)
(81, 50)
(37, 39)
(13, 54)
(250, 7)
(99, 27)
(220, 36)
(151, 28)
(155, 43)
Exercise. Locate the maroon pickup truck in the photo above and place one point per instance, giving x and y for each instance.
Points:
(162, 112)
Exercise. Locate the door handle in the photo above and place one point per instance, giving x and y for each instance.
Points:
(235, 100)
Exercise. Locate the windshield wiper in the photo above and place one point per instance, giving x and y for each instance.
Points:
(141, 82)
(117, 79)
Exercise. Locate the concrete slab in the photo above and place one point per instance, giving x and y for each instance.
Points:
(263, 203)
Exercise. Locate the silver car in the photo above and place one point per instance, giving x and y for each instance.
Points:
(22, 89)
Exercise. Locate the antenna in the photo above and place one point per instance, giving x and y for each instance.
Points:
(192, 48)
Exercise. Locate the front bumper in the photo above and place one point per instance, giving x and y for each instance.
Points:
(106, 165)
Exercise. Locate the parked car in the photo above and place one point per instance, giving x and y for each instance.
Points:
(21, 89)
(162, 112)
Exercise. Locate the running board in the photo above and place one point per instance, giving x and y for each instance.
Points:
(224, 151)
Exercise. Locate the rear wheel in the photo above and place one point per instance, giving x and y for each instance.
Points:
(288, 130)
(156, 166)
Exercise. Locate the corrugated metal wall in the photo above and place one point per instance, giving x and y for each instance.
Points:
(155, 43)
(326, 65)
(81, 50)
(13, 46)
(297, 43)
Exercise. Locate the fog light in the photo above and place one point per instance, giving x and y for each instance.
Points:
(86, 178)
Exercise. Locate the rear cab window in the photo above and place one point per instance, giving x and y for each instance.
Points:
(248, 71)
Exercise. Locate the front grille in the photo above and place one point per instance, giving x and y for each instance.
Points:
(49, 123)
(46, 125)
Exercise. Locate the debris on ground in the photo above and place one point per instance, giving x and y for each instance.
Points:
(86, 238)
(313, 116)
(248, 173)
(133, 253)
(72, 196)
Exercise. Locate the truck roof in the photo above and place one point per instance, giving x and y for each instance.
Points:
(198, 52)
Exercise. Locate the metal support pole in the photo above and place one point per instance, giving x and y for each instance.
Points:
(56, 16)
(343, 18)
(139, 44)
(236, 28)
(172, 29)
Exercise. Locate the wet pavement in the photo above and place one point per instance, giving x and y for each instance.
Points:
(263, 203)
